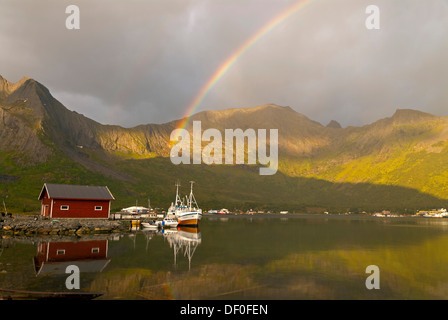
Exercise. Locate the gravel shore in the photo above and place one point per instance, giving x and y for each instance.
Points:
(30, 225)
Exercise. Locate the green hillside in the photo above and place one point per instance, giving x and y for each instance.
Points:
(397, 163)
(216, 186)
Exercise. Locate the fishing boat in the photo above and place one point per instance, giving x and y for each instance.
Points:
(187, 212)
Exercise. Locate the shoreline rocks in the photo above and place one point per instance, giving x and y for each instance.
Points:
(34, 226)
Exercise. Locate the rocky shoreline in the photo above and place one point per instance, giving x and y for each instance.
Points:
(32, 226)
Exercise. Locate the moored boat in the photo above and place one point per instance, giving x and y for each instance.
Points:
(168, 222)
(187, 213)
(149, 225)
(165, 223)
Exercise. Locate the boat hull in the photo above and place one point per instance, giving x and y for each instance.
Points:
(190, 222)
(190, 219)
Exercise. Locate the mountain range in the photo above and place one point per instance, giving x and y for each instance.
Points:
(396, 163)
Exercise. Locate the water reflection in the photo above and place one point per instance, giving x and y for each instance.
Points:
(186, 239)
(182, 240)
(53, 257)
(286, 257)
(41, 273)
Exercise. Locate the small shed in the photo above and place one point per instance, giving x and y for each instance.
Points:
(75, 201)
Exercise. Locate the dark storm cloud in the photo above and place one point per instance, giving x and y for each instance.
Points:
(136, 62)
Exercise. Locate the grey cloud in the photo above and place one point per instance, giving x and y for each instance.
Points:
(135, 62)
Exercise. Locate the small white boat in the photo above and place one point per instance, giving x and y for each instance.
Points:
(165, 223)
(380, 215)
(149, 225)
(172, 223)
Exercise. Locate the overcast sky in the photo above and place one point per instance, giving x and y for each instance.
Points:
(134, 62)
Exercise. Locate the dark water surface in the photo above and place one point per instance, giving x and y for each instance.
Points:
(243, 257)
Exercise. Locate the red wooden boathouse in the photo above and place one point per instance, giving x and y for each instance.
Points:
(74, 201)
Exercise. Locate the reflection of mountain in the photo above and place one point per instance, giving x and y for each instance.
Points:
(53, 257)
(398, 161)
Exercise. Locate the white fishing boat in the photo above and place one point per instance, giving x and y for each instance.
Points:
(187, 212)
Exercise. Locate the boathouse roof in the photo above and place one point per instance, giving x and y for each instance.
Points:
(69, 191)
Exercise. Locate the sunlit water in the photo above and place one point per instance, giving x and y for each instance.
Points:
(243, 257)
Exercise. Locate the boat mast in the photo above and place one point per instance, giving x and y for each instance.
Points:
(178, 201)
(192, 199)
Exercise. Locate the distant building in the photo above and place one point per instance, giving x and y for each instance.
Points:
(135, 210)
(74, 201)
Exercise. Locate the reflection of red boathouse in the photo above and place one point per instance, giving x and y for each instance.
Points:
(87, 255)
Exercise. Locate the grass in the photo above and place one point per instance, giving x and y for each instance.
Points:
(404, 180)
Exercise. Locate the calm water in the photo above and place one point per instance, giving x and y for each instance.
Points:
(243, 257)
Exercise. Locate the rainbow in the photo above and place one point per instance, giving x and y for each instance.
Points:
(230, 61)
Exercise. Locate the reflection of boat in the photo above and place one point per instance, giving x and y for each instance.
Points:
(188, 213)
(186, 238)
(9, 294)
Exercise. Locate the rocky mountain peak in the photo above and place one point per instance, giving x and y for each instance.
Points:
(410, 115)
(7, 87)
(334, 124)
